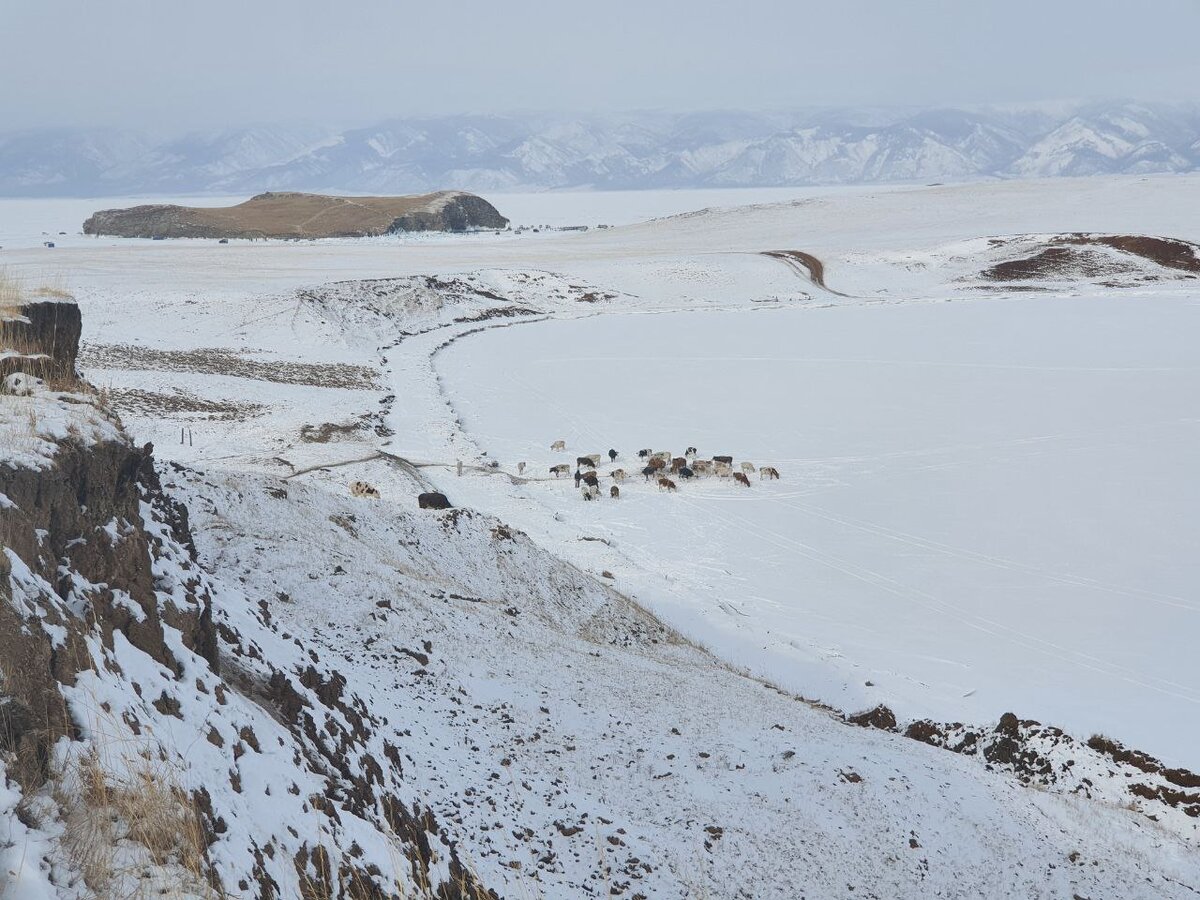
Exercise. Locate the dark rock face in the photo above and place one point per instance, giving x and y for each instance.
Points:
(48, 327)
(462, 212)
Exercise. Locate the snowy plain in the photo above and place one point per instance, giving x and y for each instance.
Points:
(986, 504)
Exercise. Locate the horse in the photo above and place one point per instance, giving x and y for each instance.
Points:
(768, 472)
(667, 484)
(740, 478)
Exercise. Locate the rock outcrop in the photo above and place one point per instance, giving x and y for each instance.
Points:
(152, 714)
(40, 338)
(296, 216)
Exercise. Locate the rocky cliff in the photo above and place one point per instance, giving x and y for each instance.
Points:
(158, 735)
(296, 216)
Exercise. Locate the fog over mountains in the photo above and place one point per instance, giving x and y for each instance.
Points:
(612, 151)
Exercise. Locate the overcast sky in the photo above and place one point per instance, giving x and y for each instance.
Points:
(179, 64)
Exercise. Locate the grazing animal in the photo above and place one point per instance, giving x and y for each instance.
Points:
(590, 479)
(702, 466)
(664, 455)
(612, 456)
(768, 472)
(520, 468)
(559, 445)
(685, 472)
(723, 470)
(690, 451)
(678, 463)
(658, 463)
(740, 478)
(585, 461)
(748, 467)
(728, 460)
(667, 484)
(648, 471)
(590, 493)
(560, 469)
(362, 489)
(614, 492)
(433, 500)
(595, 458)
(642, 454)
(618, 474)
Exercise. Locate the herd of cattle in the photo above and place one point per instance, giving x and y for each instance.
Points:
(660, 465)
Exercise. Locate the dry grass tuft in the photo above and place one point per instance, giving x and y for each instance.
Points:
(130, 829)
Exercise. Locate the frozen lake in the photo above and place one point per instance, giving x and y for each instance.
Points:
(985, 506)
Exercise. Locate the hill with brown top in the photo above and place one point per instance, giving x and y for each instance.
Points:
(294, 215)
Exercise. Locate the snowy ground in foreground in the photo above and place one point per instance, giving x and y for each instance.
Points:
(985, 506)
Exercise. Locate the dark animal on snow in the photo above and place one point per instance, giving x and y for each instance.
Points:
(768, 472)
(560, 469)
(585, 461)
(642, 454)
(658, 463)
(728, 460)
(667, 484)
(590, 479)
(614, 492)
(740, 478)
(685, 472)
(612, 455)
(433, 500)
(648, 471)
(690, 451)
(678, 463)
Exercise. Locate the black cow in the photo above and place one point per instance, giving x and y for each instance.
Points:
(433, 500)
(685, 472)
(585, 461)
(728, 460)
(642, 454)
(690, 451)
(612, 455)
(649, 470)
(590, 479)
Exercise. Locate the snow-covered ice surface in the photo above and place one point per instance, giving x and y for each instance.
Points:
(985, 505)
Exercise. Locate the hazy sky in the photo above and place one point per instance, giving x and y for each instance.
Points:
(178, 64)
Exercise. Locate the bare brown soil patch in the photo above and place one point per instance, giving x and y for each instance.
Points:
(1092, 256)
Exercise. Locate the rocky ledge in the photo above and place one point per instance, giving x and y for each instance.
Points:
(302, 216)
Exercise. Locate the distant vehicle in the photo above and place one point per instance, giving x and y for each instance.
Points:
(223, 241)
(157, 237)
(49, 244)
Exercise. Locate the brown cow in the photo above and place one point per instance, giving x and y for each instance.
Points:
(702, 466)
(590, 479)
(667, 484)
(585, 461)
(768, 472)
(614, 492)
(657, 464)
(678, 463)
(740, 478)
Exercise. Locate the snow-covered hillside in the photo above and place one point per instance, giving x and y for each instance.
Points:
(643, 150)
(609, 698)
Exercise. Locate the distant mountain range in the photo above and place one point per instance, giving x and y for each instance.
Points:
(616, 151)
